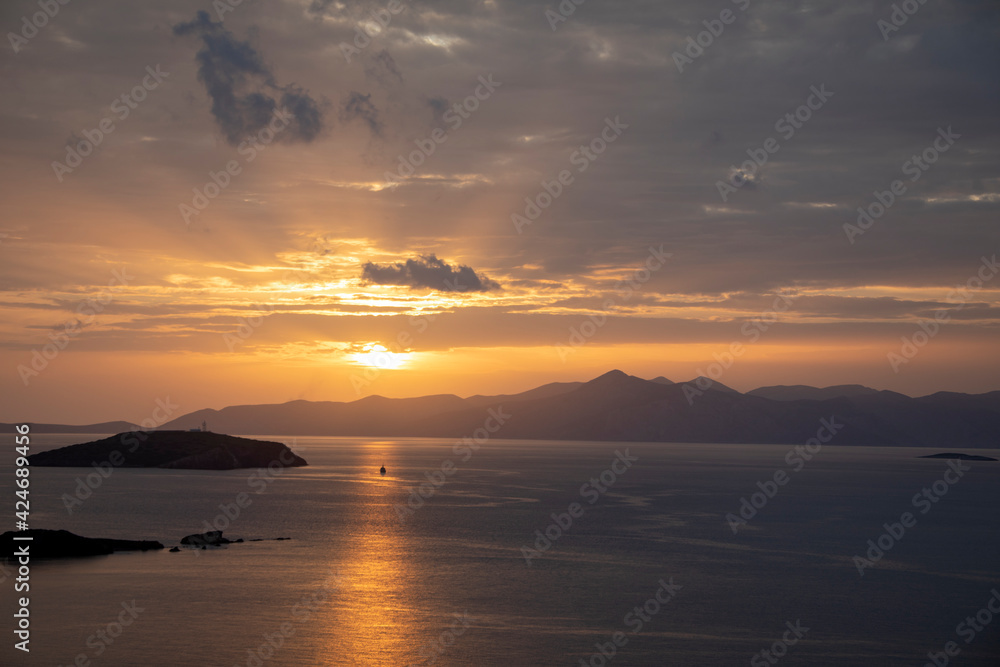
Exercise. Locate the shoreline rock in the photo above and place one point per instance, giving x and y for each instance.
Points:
(64, 544)
(212, 538)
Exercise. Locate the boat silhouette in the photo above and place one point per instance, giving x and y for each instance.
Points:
(382, 470)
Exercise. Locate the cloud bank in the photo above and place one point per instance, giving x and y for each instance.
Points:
(430, 272)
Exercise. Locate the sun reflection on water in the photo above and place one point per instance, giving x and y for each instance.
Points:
(373, 619)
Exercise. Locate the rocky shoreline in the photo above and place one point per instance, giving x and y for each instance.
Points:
(52, 544)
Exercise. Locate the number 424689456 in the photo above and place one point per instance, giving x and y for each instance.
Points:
(21, 472)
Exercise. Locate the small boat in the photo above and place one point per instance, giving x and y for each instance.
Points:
(382, 470)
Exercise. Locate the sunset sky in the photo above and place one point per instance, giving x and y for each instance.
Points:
(376, 196)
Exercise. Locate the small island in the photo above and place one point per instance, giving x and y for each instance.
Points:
(961, 457)
(64, 544)
(212, 538)
(189, 450)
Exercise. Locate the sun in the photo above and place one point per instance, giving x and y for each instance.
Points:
(376, 355)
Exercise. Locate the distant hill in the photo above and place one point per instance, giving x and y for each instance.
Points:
(545, 391)
(102, 427)
(797, 392)
(372, 416)
(617, 406)
(701, 381)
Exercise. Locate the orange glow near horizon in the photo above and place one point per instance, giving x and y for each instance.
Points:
(376, 355)
(93, 386)
(302, 324)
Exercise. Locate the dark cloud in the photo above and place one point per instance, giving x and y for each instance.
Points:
(319, 7)
(382, 68)
(244, 93)
(428, 271)
(360, 107)
(438, 105)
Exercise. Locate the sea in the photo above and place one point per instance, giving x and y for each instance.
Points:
(522, 553)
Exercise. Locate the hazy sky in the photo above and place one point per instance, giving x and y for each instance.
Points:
(372, 191)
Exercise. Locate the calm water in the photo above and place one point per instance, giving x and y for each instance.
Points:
(449, 586)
